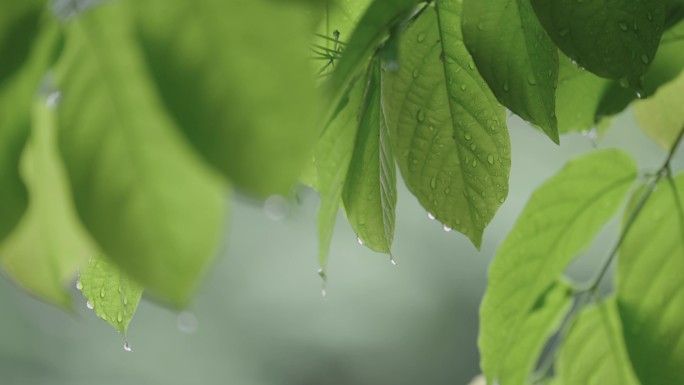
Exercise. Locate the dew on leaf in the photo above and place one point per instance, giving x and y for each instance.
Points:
(645, 59)
(102, 292)
(421, 115)
(433, 183)
(474, 164)
(623, 26)
(119, 317)
(421, 37)
(490, 159)
(506, 87)
(467, 136)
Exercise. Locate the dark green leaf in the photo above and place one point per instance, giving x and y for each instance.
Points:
(142, 193)
(558, 223)
(370, 192)
(650, 286)
(616, 39)
(49, 243)
(243, 94)
(109, 292)
(515, 57)
(593, 351)
(449, 133)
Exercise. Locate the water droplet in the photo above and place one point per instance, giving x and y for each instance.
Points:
(531, 80)
(464, 87)
(393, 66)
(640, 94)
(649, 15)
(502, 200)
(421, 115)
(102, 292)
(467, 136)
(446, 228)
(393, 262)
(471, 65)
(359, 241)
(645, 59)
(635, 26)
(480, 26)
(52, 100)
(564, 32)
(324, 294)
(623, 26)
(431, 216)
(127, 347)
(79, 285)
(416, 73)
(321, 272)
(433, 183)
(506, 87)
(473, 147)
(490, 159)
(119, 317)
(276, 207)
(125, 300)
(474, 164)
(90, 305)
(187, 323)
(624, 82)
(420, 37)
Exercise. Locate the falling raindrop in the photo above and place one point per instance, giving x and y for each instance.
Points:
(89, 305)
(276, 207)
(187, 322)
(127, 346)
(431, 216)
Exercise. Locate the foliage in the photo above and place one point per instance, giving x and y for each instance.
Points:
(125, 126)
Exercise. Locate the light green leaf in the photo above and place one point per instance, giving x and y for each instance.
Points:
(558, 223)
(661, 116)
(593, 351)
(237, 90)
(650, 286)
(150, 204)
(332, 156)
(375, 24)
(449, 133)
(616, 39)
(539, 324)
(27, 45)
(515, 57)
(45, 250)
(370, 192)
(109, 292)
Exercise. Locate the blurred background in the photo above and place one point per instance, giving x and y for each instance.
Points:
(259, 318)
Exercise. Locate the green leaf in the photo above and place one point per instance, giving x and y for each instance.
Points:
(238, 91)
(448, 132)
(650, 286)
(661, 116)
(593, 351)
(27, 46)
(375, 24)
(515, 57)
(370, 191)
(109, 292)
(332, 156)
(49, 243)
(558, 223)
(145, 197)
(539, 324)
(616, 39)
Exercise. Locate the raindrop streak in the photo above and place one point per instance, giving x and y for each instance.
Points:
(431, 216)
(89, 305)
(359, 240)
(446, 228)
(127, 347)
(187, 322)
(79, 285)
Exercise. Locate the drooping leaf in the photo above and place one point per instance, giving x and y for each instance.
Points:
(539, 324)
(44, 252)
(616, 39)
(661, 116)
(242, 94)
(448, 132)
(332, 156)
(379, 18)
(27, 44)
(370, 192)
(110, 292)
(650, 286)
(593, 351)
(515, 57)
(559, 222)
(142, 193)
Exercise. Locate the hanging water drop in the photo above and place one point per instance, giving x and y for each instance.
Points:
(276, 208)
(324, 294)
(446, 228)
(431, 216)
(127, 346)
(392, 261)
(359, 241)
(79, 285)
(90, 305)
(187, 322)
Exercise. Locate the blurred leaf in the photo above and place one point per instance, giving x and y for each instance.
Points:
(593, 351)
(661, 116)
(242, 93)
(650, 283)
(558, 223)
(448, 131)
(332, 156)
(616, 39)
(49, 243)
(515, 57)
(370, 191)
(27, 45)
(109, 292)
(540, 323)
(140, 190)
(375, 24)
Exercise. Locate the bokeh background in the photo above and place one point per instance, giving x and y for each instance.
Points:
(259, 318)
